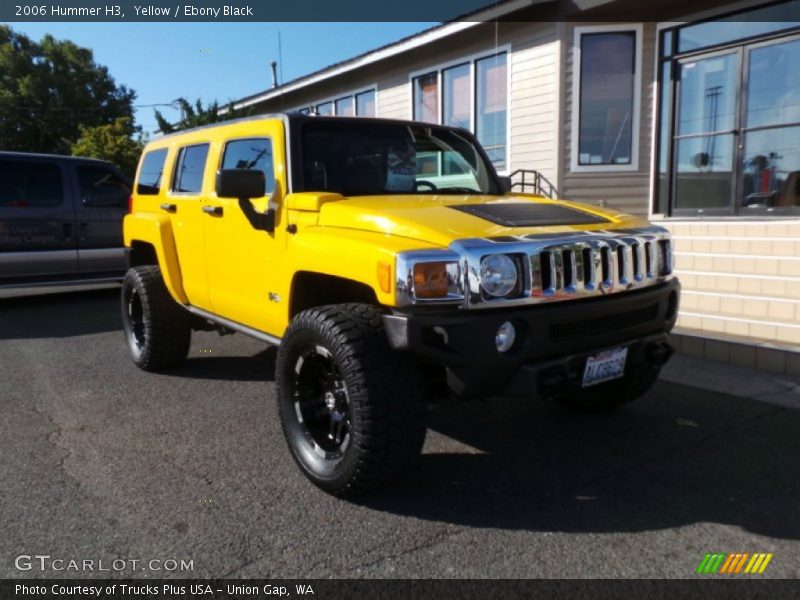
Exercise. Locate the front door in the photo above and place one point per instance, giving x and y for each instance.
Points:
(246, 270)
(737, 120)
(102, 195)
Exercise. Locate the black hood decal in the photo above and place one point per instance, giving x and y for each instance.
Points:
(529, 214)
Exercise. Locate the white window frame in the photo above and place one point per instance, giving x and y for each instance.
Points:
(333, 99)
(638, 30)
(470, 60)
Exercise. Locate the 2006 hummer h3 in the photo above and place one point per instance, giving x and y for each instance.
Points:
(389, 262)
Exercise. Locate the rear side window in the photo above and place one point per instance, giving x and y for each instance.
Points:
(253, 153)
(102, 188)
(30, 184)
(149, 183)
(189, 170)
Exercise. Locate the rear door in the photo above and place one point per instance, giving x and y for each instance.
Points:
(102, 201)
(38, 237)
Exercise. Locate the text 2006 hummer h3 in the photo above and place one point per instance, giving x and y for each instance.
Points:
(390, 264)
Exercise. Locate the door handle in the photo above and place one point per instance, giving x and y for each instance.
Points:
(213, 210)
(170, 208)
(67, 231)
(83, 230)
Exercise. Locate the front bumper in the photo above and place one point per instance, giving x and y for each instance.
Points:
(552, 339)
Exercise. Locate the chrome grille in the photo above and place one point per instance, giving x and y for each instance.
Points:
(572, 266)
(594, 265)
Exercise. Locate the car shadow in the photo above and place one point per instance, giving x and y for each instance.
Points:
(679, 456)
(256, 367)
(60, 314)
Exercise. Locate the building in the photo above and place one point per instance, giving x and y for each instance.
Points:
(690, 115)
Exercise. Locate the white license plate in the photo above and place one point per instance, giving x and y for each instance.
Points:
(605, 366)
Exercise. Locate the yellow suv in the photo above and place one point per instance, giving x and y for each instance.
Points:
(390, 264)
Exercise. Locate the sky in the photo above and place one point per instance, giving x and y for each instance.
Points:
(214, 61)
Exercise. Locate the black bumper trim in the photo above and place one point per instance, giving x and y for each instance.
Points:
(464, 341)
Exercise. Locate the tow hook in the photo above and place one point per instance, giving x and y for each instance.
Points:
(658, 353)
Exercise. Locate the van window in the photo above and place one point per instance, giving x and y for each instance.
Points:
(251, 154)
(101, 187)
(189, 171)
(149, 183)
(30, 184)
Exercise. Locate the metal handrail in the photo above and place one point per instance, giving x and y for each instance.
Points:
(541, 185)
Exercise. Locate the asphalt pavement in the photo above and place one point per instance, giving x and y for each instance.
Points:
(101, 461)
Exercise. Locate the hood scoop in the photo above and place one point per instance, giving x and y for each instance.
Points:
(529, 214)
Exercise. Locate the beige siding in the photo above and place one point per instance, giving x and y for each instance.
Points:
(626, 191)
(534, 101)
(393, 97)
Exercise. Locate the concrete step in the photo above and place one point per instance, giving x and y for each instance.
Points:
(738, 350)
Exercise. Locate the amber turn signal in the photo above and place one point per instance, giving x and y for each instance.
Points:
(385, 277)
(430, 280)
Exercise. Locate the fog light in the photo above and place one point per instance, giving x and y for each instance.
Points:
(505, 336)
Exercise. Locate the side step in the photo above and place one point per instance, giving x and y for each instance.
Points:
(228, 324)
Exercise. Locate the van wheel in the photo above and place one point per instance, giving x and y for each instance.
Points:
(352, 409)
(612, 394)
(157, 329)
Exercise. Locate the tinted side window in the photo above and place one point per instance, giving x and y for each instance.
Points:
(149, 183)
(102, 188)
(189, 172)
(251, 154)
(30, 184)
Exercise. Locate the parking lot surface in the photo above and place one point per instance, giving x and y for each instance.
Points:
(101, 461)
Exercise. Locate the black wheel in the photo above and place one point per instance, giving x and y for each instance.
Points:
(157, 329)
(612, 394)
(352, 409)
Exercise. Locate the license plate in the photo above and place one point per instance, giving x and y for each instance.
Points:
(605, 366)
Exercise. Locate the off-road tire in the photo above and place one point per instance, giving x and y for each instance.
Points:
(385, 396)
(157, 329)
(612, 394)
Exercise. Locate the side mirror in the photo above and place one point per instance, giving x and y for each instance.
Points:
(505, 183)
(246, 184)
(240, 183)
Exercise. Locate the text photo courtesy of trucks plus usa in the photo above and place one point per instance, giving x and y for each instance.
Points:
(469, 302)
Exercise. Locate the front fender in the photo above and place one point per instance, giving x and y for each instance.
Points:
(351, 254)
(156, 230)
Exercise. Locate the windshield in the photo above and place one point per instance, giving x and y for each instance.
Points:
(366, 157)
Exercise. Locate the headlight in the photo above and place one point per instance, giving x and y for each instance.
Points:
(498, 275)
(435, 279)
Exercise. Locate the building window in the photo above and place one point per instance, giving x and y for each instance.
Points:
(325, 108)
(365, 104)
(344, 107)
(361, 104)
(606, 116)
(457, 97)
(729, 119)
(426, 98)
(492, 103)
(471, 94)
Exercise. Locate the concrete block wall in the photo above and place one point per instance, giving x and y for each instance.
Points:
(740, 278)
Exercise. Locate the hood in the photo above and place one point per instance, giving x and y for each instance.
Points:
(440, 219)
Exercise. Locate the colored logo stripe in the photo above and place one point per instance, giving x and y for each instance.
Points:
(711, 563)
(758, 563)
(731, 564)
